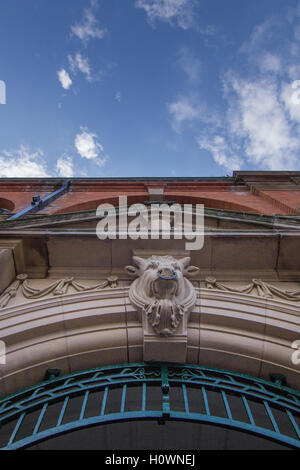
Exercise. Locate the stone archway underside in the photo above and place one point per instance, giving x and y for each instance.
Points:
(79, 331)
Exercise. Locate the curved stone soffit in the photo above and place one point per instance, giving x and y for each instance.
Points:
(227, 328)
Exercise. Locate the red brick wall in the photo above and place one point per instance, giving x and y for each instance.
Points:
(87, 195)
(18, 200)
(287, 200)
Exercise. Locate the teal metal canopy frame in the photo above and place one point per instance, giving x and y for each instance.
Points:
(150, 391)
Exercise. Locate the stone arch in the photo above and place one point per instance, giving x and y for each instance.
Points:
(73, 332)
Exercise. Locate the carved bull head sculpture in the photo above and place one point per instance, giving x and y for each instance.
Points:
(162, 291)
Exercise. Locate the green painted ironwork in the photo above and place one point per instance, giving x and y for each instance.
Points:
(161, 392)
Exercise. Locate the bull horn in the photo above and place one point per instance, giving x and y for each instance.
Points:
(185, 261)
(140, 262)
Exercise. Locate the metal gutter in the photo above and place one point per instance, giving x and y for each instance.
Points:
(39, 204)
(124, 179)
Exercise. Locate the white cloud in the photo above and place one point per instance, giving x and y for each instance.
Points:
(221, 151)
(260, 36)
(88, 27)
(64, 167)
(88, 147)
(189, 109)
(101, 161)
(262, 117)
(181, 111)
(293, 71)
(81, 64)
(23, 163)
(288, 96)
(257, 128)
(64, 79)
(190, 64)
(118, 96)
(261, 125)
(27, 163)
(270, 63)
(180, 12)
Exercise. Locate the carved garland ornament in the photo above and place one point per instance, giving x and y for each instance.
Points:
(162, 291)
(58, 287)
(261, 288)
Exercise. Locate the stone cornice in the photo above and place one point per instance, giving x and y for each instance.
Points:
(260, 254)
(40, 221)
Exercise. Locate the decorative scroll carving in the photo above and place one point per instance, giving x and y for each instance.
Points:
(257, 286)
(58, 287)
(162, 291)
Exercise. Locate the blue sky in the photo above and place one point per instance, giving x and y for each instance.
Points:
(149, 87)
